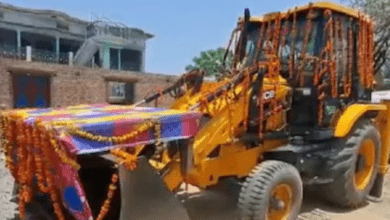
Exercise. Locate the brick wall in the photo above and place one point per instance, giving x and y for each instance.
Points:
(79, 85)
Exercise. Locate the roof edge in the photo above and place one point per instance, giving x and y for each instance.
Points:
(43, 12)
(315, 5)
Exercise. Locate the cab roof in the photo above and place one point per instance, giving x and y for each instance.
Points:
(315, 5)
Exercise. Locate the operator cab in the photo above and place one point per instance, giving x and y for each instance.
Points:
(317, 53)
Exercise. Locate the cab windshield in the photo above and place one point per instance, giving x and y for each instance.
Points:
(284, 50)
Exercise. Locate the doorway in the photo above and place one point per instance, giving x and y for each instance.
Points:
(31, 91)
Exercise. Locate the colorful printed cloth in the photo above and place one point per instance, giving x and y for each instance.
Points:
(104, 120)
(114, 120)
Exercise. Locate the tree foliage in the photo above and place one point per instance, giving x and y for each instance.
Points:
(379, 11)
(211, 61)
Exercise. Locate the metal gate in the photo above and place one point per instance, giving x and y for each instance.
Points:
(31, 91)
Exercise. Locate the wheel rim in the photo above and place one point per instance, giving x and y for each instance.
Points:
(283, 194)
(365, 164)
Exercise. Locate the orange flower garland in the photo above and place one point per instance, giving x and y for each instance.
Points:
(30, 156)
(45, 146)
(115, 139)
(21, 167)
(129, 160)
(159, 144)
(21, 152)
(30, 166)
(111, 190)
(40, 170)
(35, 147)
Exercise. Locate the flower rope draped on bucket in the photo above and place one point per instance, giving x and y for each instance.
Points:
(41, 147)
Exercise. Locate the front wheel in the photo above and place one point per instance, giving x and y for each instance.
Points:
(273, 191)
(356, 166)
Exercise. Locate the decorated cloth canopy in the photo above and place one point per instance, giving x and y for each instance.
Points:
(42, 145)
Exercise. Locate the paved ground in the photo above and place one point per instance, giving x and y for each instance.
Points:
(216, 205)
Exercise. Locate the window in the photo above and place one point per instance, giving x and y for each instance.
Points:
(118, 90)
(31, 91)
(121, 92)
(252, 37)
(1, 15)
(131, 60)
(114, 55)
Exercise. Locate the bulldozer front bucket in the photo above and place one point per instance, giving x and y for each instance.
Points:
(144, 196)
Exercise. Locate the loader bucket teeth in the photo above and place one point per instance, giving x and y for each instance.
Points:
(144, 196)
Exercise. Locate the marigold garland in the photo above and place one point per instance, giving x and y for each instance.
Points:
(35, 146)
(20, 169)
(21, 152)
(45, 146)
(129, 160)
(114, 139)
(157, 133)
(40, 169)
(29, 143)
(111, 190)
(30, 170)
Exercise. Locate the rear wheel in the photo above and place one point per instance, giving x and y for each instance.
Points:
(272, 192)
(356, 166)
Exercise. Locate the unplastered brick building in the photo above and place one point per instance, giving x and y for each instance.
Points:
(51, 59)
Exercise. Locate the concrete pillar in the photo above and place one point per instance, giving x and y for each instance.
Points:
(28, 53)
(143, 60)
(100, 57)
(71, 58)
(19, 42)
(119, 59)
(106, 56)
(58, 48)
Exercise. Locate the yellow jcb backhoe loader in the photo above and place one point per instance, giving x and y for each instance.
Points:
(294, 109)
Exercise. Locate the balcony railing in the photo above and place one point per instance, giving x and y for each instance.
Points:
(37, 55)
(130, 66)
(8, 51)
(105, 30)
(45, 56)
(63, 58)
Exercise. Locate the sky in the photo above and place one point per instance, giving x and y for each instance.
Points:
(182, 29)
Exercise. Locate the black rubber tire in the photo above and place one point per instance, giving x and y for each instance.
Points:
(253, 202)
(342, 191)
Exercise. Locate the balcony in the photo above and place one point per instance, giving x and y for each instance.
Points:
(8, 51)
(37, 55)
